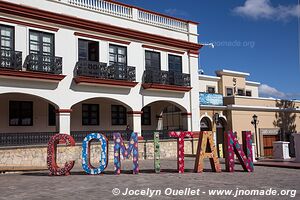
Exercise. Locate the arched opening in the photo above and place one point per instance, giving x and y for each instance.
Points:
(206, 124)
(26, 119)
(103, 115)
(163, 116)
(221, 127)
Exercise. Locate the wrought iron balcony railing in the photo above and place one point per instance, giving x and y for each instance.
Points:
(10, 59)
(167, 78)
(101, 70)
(43, 63)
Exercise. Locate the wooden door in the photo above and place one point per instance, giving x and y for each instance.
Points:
(268, 144)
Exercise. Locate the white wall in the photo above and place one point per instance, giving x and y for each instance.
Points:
(253, 89)
(66, 93)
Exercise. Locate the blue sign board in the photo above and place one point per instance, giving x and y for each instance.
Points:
(211, 99)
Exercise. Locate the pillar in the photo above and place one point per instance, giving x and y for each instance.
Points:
(136, 117)
(186, 118)
(64, 121)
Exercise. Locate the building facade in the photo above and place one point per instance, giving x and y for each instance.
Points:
(233, 101)
(76, 66)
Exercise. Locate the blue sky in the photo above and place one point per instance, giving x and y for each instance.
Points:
(255, 36)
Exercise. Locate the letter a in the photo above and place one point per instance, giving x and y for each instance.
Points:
(202, 154)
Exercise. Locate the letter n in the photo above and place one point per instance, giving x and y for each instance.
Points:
(205, 137)
(120, 148)
(233, 147)
(51, 154)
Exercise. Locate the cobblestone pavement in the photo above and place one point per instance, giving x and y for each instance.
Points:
(38, 185)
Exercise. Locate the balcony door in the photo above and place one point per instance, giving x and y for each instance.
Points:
(152, 60)
(6, 46)
(175, 69)
(118, 62)
(88, 50)
(41, 51)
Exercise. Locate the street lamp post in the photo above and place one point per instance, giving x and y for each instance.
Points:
(255, 122)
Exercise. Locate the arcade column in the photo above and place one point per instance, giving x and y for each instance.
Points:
(64, 121)
(136, 117)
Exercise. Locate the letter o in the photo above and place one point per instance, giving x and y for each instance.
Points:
(86, 146)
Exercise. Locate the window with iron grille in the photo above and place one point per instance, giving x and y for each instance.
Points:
(51, 115)
(90, 114)
(152, 60)
(146, 116)
(20, 113)
(118, 115)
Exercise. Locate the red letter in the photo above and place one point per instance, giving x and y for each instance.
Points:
(232, 146)
(51, 154)
(180, 147)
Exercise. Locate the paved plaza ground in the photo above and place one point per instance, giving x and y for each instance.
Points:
(38, 185)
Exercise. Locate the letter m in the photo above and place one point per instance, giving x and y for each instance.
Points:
(120, 149)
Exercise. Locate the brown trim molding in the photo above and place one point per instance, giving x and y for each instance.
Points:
(162, 49)
(63, 110)
(186, 114)
(195, 52)
(155, 86)
(28, 24)
(101, 38)
(135, 112)
(84, 24)
(89, 80)
(32, 75)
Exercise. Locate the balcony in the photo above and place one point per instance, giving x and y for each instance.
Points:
(10, 59)
(130, 12)
(43, 63)
(36, 67)
(97, 73)
(166, 80)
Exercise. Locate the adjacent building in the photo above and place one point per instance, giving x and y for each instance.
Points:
(233, 101)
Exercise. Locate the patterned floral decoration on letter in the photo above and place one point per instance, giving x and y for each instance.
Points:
(120, 148)
(180, 147)
(86, 147)
(202, 154)
(51, 155)
(247, 145)
(232, 146)
(156, 152)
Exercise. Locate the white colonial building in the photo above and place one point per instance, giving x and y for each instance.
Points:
(77, 66)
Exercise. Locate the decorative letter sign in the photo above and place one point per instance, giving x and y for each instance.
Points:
(86, 146)
(247, 145)
(120, 148)
(156, 152)
(232, 146)
(202, 154)
(180, 147)
(51, 155)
